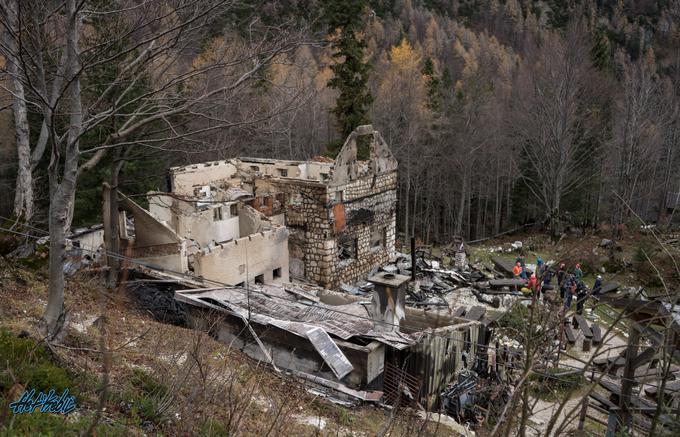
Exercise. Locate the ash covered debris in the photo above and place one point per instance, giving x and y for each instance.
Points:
(460, 284)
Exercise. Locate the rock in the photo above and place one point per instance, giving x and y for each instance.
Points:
(606, 243)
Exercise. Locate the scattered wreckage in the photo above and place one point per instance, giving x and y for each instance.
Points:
(388, 339)
(249, 249)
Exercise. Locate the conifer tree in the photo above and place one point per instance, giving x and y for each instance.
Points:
(350, 71)
(601, 52)
(433, 86)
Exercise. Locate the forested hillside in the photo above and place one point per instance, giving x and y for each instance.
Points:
(530, 130)
(500, 112)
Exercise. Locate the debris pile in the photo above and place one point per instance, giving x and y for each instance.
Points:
(472, 398)
(462, 283)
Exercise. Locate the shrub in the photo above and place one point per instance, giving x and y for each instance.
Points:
(554, 382)
(31, 365)
(212, 428)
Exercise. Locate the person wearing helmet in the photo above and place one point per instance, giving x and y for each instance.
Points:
(597, 287)
(540, 265)
(520, 260)
(569, 292)
(532, 283)
(578, 273)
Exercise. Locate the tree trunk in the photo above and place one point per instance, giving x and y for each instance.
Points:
(461, 205)
(406, 204)
(23, 196)
(498, 205)
(508, 202)
(54, 317)
(113, 245)
(62, 193)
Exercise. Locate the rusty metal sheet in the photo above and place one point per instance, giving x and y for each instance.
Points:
(338, 217)
(330, 352)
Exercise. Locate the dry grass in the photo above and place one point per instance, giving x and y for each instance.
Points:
(176, 381)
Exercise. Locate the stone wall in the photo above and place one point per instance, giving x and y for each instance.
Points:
(311, 240)
(320, 217)
(369, 207)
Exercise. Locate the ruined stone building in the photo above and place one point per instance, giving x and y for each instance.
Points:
(215, 238)
(340, 214)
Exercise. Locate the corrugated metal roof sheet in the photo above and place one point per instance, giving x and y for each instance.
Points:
(272, 305)
(330, 352)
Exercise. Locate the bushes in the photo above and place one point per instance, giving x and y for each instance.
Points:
(46, 424)
(515, 319)
(24, 362)
(145, 398)
(554, 382)
(30, 365)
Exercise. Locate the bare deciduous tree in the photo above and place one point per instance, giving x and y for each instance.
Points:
(551, 118)
(152, 87)
(637, 134)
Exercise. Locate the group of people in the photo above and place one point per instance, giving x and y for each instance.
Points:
(570, 284)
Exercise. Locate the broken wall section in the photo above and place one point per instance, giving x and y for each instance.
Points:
(369, 214)
(153, 242)
(260, 256)
(185, 180)
(213, 223)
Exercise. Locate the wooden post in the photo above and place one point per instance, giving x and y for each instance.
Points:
(629, 376)
(586, 344)
(413, 258)
(612, 422)
(582, 416)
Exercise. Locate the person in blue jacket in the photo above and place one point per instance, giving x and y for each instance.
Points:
(597, 287)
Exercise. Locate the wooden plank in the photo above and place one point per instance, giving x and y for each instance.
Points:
(600, 361)
(602, 400)
(610, 386)
(504, 265)
(638, 307)
(571, 336)
(609, 287)
(597, 333)
(672, 388)
(645, 373)
(493, 318)
(500, 283)
(583, 325)
(475, 313)
(616, 362)
(611, 362)
(302, 294)
(655, 337)
(644, 357)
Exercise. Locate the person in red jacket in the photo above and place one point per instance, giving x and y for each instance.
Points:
(532, 283)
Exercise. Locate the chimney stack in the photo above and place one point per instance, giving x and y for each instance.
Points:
(389, 294)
